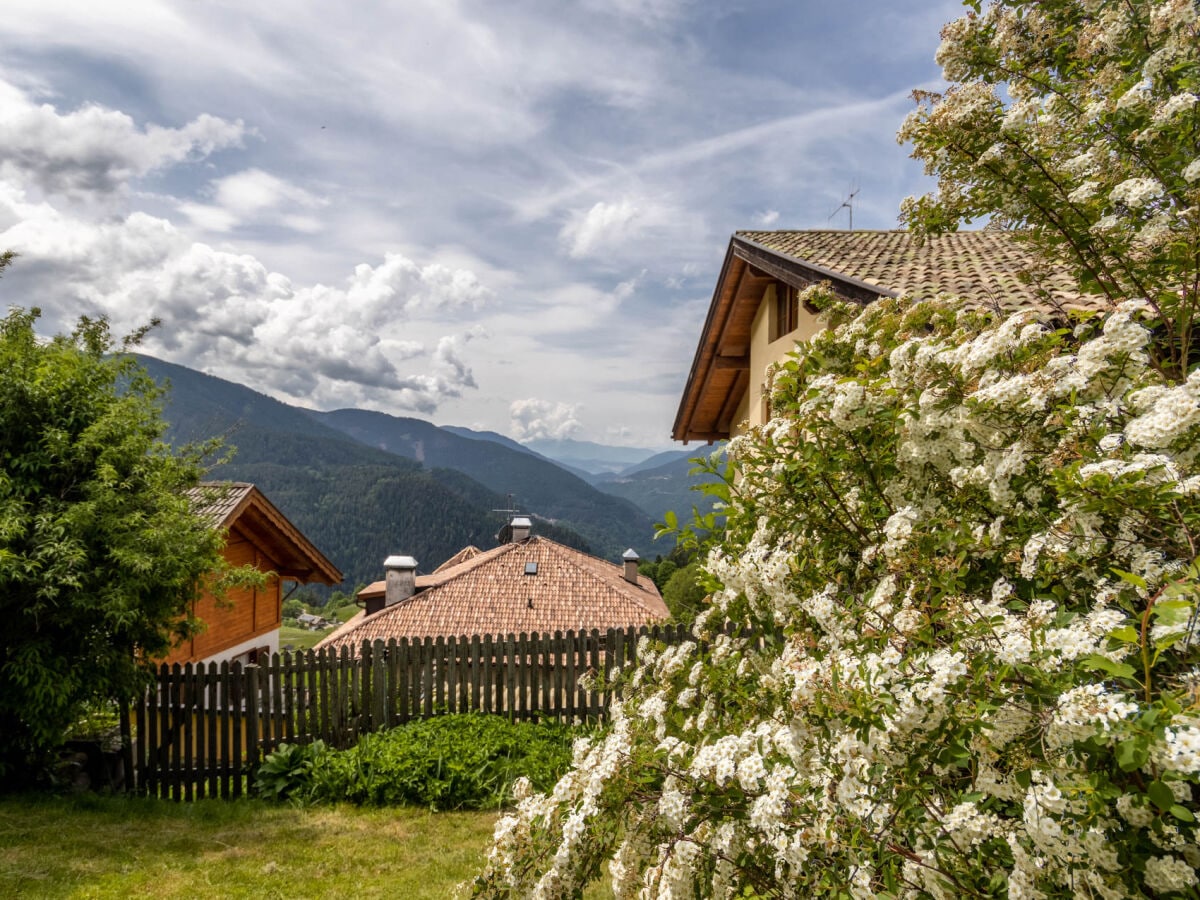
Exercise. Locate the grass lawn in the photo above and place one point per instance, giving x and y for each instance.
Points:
(117, 847)
(300, 638)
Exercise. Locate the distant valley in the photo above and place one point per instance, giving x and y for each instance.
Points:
(363, 485)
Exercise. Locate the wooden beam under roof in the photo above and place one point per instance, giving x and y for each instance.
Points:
(800, 274)
(732, 362)
(741, 383)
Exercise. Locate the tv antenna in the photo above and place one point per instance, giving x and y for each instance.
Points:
(513, 509)
(847, 204)
(504, 535)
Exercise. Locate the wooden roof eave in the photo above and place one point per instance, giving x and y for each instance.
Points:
(315, 567)
(742, 255)
(800, 273)
(681, 430)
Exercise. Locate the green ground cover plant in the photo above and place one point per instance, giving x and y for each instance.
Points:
(447, 762)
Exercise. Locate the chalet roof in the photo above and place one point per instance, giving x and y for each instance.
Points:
(991, 268)
(235, 504)
(489, 593)
(986, 268)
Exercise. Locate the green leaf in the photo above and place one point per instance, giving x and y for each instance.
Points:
(1182, 813)
(1126, 634)
(1172, 612)
(1160, 795)
(1129, 578)
(1104, 664)
(1133, 753)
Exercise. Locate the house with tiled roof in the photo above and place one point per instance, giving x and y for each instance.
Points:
(244, 624)
(528, 583)
(755, 317)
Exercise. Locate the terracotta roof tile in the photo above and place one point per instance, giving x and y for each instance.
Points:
(984, 267)
(489, 593)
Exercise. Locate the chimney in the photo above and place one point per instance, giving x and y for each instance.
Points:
(519, 527)
(631, 560)
(400, 579)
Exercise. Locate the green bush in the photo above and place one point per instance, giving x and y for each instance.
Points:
(447, 762)
(287, 772)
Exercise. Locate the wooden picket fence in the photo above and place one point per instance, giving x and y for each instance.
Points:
(202, 731)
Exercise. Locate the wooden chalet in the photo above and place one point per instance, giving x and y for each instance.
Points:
(756, 318)
(244, 625)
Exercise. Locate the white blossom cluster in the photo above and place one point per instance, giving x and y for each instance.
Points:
(956, 647)
(945, 672)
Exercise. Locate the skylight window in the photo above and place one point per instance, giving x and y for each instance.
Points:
(531, 568)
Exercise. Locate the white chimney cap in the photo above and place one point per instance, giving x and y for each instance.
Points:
(521, 522)
(630, 555)
(399, 562)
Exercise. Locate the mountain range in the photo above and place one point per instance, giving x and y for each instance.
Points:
(363, 485)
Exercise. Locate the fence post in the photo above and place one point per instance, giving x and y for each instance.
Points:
(275, 681)
(252, 725)
(187, 733)
(143, 740)
(377, 711)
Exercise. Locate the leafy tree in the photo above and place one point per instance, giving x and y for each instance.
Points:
(684, 593)
(663, 572)
(292, 608)
(967, 544)
(100, 550)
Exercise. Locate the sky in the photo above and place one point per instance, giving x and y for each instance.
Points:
(507, 216)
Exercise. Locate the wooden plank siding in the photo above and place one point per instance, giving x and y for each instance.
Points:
(202, 730)
(244, 613)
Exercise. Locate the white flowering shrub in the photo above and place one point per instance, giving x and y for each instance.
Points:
(971, 667)
(961, 562)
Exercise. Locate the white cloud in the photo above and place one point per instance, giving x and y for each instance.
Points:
(615, 231)
(604, 224)
(255, 197)
(768, 217)
(93, 151)
(533, 418)
(448, 357)
(646, 12)
(228, 314)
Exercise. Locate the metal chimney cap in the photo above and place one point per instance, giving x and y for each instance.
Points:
(399, 562)
(521, 522)
(631, 555)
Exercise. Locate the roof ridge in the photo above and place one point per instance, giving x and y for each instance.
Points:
(842, 231)
(467, 565)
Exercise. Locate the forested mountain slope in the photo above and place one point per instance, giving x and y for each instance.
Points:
(358, 504)
(668, 486)
(609, 523)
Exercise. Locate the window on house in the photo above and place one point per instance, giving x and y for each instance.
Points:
(787, 311)
(531, 568)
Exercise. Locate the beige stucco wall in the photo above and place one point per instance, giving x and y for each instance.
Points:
(764, 352)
